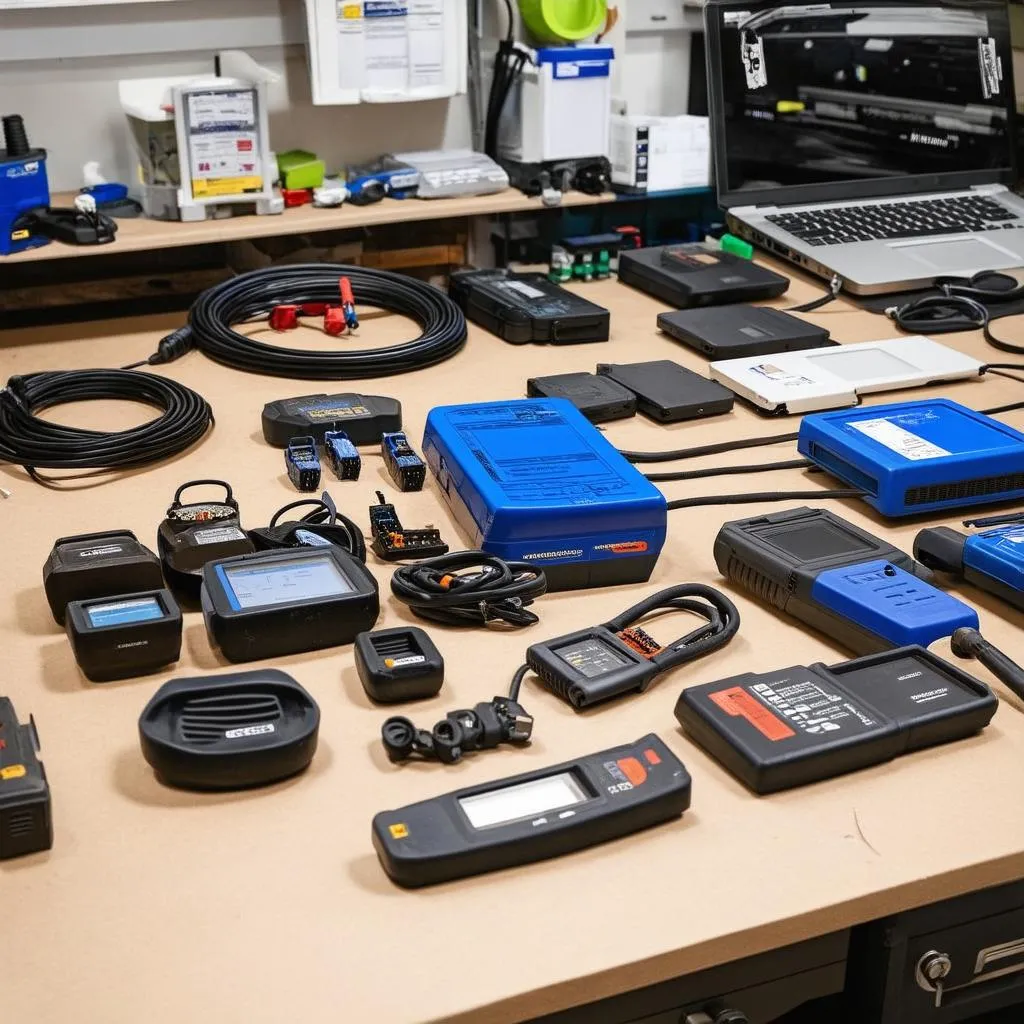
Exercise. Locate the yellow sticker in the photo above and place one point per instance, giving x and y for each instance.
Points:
(399, 831)
(202, 187)
(790, 107)
(20, 235)
(351, 10)
(15, 771)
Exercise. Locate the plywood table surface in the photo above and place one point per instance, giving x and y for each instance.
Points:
(160, 906)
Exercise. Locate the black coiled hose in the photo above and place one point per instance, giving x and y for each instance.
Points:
(35, 443)
(255, 294)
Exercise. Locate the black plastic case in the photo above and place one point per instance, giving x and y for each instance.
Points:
(694, 275)
(670, 393)
(524, 308)
(796, 725)
(735, 332)
(600, 399)
(363, 417)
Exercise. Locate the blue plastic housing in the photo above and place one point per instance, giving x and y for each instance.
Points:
(533, 480)
(918, 457)
(999, 554)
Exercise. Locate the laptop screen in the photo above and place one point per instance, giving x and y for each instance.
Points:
(820, 94)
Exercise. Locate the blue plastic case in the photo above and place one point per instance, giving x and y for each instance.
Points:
(533, 480)
(917, 457)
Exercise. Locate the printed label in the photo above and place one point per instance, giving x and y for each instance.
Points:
(740, 704)
(778, 375)
(217, 534)
(991, 67)
(110, 549)
(752, 55)
(409, 659)
(810, 707)
(901, 441)
(249, 730)
(524, 289)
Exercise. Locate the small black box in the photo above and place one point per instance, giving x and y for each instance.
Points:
(600, 399)
(668, 392)
(523, 308)
(695, 275)
(26, 824)
(777, 730)
(396, 665)
(734, 332)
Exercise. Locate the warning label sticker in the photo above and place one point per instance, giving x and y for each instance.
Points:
(897, 439)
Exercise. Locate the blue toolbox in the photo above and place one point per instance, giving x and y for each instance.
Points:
(532, 480)
(918, 457)
(24, 189)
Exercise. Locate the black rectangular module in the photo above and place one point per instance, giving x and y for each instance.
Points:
(363, 417)
(695, 275)
(523, 308)
(735, 332)
(668, 392)
(796, 725)
(600, 399)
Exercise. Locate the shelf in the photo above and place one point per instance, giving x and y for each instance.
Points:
(143, 234)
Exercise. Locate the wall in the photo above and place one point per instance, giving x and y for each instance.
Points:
(70, 102)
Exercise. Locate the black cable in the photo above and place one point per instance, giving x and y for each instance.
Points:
(762, 497)
(708, 449)
(35, 443)
(254, 295)
(437, 590)
(835, 286)
(517, 682)
(700, 474)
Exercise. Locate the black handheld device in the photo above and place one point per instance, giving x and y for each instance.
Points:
(533, 816)
(128, 635)
(668, 392)
(837, 578)
(26, 824)
(523, 308)
(363, 417)
(616, 658)
(695, 275)
(229, 731)
(796, 725)
(734, 332)
(97, 565)
(193, 534)
(272, 603)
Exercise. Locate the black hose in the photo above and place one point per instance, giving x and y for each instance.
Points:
(254, 295)
(35, 443)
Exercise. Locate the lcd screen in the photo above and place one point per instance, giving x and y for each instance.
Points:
(523, 800)
(118, 613)
(256, 584)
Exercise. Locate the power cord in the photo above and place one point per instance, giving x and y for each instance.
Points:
(835, 286)
(439, 590)
(35, 443)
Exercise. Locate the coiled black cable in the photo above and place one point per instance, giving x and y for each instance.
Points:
(35, 443)
(218, 309)
(435, 590)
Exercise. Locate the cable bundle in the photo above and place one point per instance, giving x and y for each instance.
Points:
(35, 443)
(255, 295)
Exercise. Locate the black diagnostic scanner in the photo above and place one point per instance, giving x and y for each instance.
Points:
(128, 635)
(837, 578)
(616, 658)
(533, 816)
(98, 565)
(271, 603)
(192, 535)
(776, 730)
(26, 824)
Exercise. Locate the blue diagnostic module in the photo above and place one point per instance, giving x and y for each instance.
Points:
(918, 457)
(533, 480)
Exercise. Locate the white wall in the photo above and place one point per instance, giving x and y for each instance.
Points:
(70, 103)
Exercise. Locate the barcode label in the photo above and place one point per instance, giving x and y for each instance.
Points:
(901, 441)
(991, 68)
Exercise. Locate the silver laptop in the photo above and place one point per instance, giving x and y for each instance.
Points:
(868, 142)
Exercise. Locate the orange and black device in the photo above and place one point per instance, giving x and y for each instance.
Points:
(26, 825)
(531, 817)
(618, 657)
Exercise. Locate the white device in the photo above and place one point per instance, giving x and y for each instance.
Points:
(386, 51)
(560, 107)
(656, 154)
(834, 378)
(444, 173)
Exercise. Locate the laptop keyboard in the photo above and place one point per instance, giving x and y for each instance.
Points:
(957, 215)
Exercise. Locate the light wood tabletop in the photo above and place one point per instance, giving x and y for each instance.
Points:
(159, 905)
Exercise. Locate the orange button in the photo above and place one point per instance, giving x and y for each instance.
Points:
(652, 756)
(633, 770)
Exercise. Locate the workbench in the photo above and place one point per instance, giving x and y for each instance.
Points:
(165, 906)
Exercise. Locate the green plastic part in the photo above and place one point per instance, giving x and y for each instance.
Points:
(298, 168)
(563, 21)
(730, 243)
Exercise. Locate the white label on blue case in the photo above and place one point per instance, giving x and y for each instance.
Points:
(901, 441)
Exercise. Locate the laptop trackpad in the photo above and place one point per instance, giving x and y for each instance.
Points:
(966, 255)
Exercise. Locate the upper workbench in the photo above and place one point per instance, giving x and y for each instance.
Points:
(158, 905)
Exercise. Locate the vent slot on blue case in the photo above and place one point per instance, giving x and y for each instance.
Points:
(846, 471)
(963, 490)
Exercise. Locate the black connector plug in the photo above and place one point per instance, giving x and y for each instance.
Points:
(969, 643)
